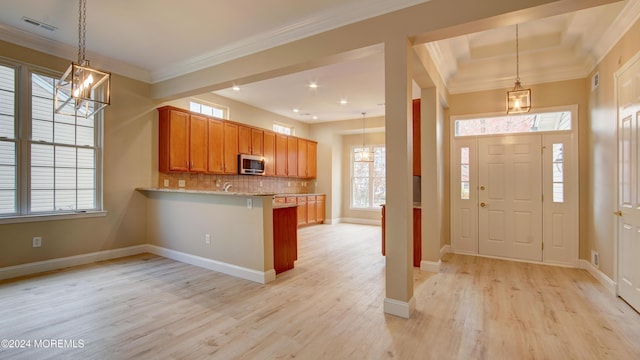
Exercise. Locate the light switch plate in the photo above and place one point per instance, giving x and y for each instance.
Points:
(249, 203)
(166, 182)
(181, 183)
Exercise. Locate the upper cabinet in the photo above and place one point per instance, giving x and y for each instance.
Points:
(191, 142)
(416, 137)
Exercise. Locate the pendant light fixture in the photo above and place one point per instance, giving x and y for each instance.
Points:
(518, 99)
(363, 155)
(82, 91)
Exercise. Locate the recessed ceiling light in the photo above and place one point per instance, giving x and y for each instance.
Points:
(315, 117)
(313, 85)
(343, 102)
(295, 110)
(236, 88)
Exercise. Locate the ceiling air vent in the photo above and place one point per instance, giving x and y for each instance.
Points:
(39, 24)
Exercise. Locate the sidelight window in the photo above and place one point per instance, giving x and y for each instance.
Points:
(558, 173)
(464, 173)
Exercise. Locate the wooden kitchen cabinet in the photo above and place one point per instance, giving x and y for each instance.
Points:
(311, 210)
(173, 144)
(285, 239)
(292, 157)
(281, 155)
(198, 143)
(416, 138)
(244, 139)
(269, 153)
(320, 209)
(302, 158)
(312, 159)
(302, 210)
(257, 141)
(230, 148)
(216, 147)
(307, 158)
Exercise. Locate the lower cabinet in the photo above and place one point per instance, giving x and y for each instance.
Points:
(311, 208)
(417, 235)
(285, 238)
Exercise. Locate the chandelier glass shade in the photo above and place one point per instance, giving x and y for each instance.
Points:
(364, 154)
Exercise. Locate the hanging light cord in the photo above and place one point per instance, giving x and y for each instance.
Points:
(517, 57)
(363, 114)
(82, 31)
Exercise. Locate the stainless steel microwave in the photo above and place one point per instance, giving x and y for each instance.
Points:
(250, 164)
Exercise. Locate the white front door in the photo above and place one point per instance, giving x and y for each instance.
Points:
(510, 197)
(628, 82)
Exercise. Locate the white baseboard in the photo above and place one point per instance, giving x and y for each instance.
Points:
(361, 221)
(609, 284)
(430, 266)
(261, 277)
(445, 250)
(399, 308)
(65, 262)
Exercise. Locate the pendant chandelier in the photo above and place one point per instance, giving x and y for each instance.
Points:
(82, 91)
(363, 154)
(518, 99)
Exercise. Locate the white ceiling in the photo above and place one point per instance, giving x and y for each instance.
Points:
(155, 40)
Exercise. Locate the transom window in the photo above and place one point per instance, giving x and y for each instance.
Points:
(49, 163)
(549, 121)
(283, 129)
(209, 109)
(368, 181)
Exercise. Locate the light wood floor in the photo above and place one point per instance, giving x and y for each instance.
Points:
(328, 307)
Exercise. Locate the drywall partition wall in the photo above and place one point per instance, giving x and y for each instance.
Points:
(127, 164)
(597, 222)
(238, 237)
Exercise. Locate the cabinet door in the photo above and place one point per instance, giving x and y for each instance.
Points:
(281, 155)
(302, 210)
(292, 156)
(230, 148)
(311, 210)
(416, 137)
(302, 158)
(312, 159)
(244, 140)
(320, 209)
(174, 140)
(216, 147)
(269, 153)
(257, 142)
(198, 143)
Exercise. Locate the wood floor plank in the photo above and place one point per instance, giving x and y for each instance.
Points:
(330, 306)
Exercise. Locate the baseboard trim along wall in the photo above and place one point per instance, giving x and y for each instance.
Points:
(261, 277)
(445, 250)
(430, 266)
(361, 221)
(609, 284)
(399, 308)
(65, 262)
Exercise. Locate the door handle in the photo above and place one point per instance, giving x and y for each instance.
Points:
(483, 204)
(482, 187)
(617, 213)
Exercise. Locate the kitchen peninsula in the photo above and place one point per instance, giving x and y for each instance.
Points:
(229, 232)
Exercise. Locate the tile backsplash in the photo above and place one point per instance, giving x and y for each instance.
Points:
(240, 183)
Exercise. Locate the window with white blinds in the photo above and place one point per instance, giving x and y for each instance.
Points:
(53, 166)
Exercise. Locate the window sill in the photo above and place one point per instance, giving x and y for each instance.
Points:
(17, 219)
(376, 209)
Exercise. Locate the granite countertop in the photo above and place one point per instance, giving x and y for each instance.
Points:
(283, 205)
(204, 192)
(291, 195)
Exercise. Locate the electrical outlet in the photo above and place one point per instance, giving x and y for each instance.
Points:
(595, 259)
(37, 241)
(249, 203)
(260, 183)
(289, 183)
(166, 182)
(207, 239)
(181, 183)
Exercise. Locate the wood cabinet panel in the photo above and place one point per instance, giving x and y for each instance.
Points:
(257, 141)
(281, 155)
(292, 157)
(302, 158)
(320, 209)
(230, 148)
(269, 153)
(244, 139)
(416, 138)
(311, 210)
(216, 147)
(302, 210)
(198, 143)
(285, 239)
(312, 159)
(173, 140)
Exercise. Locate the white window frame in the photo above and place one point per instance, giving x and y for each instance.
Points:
(23, 119)
(372, 206)
(279, 128)
(223, 109)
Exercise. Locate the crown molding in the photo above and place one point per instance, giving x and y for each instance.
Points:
(300, 29)
(623, 22)
(65, 51)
